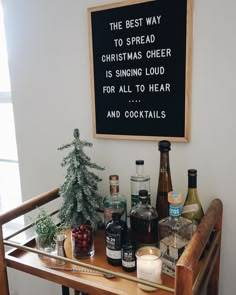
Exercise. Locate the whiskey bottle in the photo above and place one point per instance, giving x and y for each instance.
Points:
(115, 202)
(115, 237)
(192, 206)
(164, 183)
(144, 222)
(138, 182)
(175, 232)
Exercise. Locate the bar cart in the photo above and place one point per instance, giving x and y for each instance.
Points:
(197, 270)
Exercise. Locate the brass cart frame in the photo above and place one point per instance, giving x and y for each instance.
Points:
(197, 271)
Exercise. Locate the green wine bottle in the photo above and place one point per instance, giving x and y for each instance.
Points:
(192, 208)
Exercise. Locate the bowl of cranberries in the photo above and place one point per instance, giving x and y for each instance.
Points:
(82, 238)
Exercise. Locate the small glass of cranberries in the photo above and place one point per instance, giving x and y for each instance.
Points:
(82, 239)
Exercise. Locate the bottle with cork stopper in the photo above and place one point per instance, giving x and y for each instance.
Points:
(175, 232)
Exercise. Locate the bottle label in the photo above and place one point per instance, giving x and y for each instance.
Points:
(113, 254)
(191, 208)
(128, 258)
(174, 211)
(128, 264)
(173, 246)
(113, 246)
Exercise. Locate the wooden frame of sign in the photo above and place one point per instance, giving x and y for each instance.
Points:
(140, 60)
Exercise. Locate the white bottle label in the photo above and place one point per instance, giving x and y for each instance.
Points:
(113, 254)
(190, 208)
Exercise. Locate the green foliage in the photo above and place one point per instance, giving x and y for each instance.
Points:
(81, 199)
(45, 227)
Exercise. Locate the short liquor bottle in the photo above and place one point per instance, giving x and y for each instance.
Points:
(144, 222)
(175, 232)
(115, 202)
(128, 254)
(138, 182)
(164, 183)
(192, 206)
(115, 237)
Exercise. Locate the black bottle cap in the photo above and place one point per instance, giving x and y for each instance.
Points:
(115, 215)
(192, 172)
(139, 162)
(164, 145)
(143, 193)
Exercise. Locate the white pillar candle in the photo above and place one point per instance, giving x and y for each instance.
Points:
(149, 266)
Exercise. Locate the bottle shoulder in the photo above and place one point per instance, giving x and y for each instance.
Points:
(114, 226)
(144, 211)
(173, 222)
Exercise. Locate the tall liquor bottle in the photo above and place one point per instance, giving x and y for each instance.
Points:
(138, 182)
(144, 222)
(192, 206)
(165, 183)
(175, 232)
(115, 202)
(115, 237)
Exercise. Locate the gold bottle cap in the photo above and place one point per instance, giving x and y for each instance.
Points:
(175, 198)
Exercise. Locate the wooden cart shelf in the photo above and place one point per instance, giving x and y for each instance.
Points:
(197, 270)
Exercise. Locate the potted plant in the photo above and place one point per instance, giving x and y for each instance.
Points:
(81, 200)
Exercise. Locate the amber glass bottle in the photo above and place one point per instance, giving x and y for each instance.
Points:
(165, 183)
(144, 222)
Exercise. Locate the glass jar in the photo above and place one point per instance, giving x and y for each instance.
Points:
(149, 266)
(82, 240)
(45, 242)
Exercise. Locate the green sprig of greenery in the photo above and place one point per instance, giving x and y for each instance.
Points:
(46, 228)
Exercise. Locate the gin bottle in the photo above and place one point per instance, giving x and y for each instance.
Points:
(192, 206)
(165, 183)
(115, 202)
(138, 182)
(144, 222)
(175, 232)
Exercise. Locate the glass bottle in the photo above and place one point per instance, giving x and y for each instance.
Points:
(115, 202)
(175, 232)
(165, 183)
(139, 181)
(192, 206)
(128, 254)
(144, 222)
(115, 235)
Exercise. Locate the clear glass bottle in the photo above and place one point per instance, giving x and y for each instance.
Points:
(115, 202)
(138, 182)
(192, 206)
(115, 237)
(175, 232)
(164, 183)
(144, 222)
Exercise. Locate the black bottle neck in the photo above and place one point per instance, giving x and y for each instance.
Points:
(192, 181)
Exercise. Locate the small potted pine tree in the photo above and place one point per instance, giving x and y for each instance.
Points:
(81, 200)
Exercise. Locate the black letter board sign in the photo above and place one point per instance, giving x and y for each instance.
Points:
(140, 57)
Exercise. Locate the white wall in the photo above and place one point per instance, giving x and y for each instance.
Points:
(49, 66)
